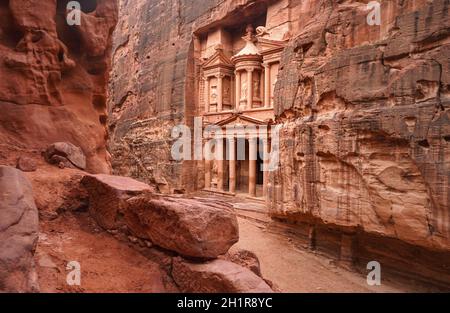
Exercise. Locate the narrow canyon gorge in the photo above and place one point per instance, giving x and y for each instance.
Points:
(224, 146)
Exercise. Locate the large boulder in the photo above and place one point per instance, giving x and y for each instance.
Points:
(66, 154)
(18, 232)
(189, 227)
(108, 195)
(217, 276)
(192, 228)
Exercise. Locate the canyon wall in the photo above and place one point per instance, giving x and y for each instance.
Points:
(365, 143)
(147, 87)
(54, 78)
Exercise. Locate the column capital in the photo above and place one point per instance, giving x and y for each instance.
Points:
(250, 69)
(220, 75)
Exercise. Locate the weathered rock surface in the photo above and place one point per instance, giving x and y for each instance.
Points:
(215, 277)
(53, 85)
(364, 144)
(26, 164)
(58, 191)
(245, 258)
(18, 232)
(189, 227)
(366, 117)
(65, 154)
(152, 86)
(108, 195)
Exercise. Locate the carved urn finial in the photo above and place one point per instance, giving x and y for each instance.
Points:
(249, 33)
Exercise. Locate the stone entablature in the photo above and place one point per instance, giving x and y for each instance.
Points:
(224, 174)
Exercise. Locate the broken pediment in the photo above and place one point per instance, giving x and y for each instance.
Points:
(267, 46)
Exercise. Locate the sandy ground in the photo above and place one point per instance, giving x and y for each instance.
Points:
(294, 269)
(107, 265)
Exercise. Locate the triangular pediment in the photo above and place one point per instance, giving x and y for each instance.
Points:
(218, 59)
(269, 45)
(241, 119)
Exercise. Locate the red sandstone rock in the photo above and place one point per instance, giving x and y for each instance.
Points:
(67, 154)
(108, 195)
(57, 191)
(216, 276)
(189, 227)
(26, 164)
(51, 90)
(245, 258)
(186, 226)
(365, 110)
(18, 232)
(361, 123)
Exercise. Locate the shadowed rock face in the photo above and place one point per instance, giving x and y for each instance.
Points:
(18, 232)
(53, 78)
(152, 86)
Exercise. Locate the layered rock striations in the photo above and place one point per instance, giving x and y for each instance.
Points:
(366, 123)
(54, 77)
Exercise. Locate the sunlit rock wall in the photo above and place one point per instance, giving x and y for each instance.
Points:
(366, 121)
(54, 78)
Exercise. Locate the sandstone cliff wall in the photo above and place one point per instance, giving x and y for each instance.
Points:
(54, 77)
(366, 121)
(365, 111)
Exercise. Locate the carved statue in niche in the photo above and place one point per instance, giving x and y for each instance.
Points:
(244, 89)
(227, 91)
(214, 172)
(272, 93)
(261, 31)
(256, 85)
(213, 98)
